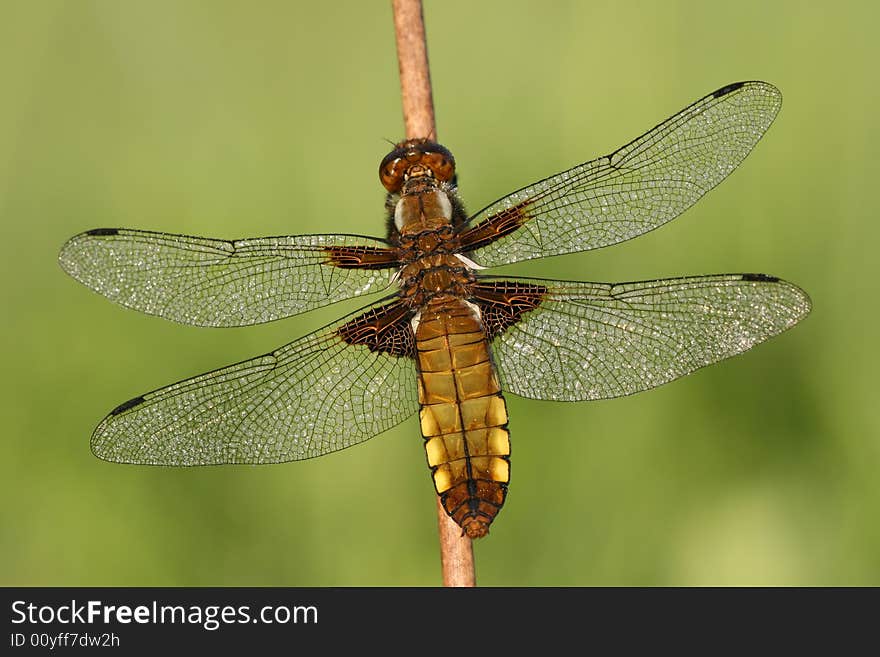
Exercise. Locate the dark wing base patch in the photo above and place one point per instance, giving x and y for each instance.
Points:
(502, 303)
(495, 227)
(361, 257)
(385, 329)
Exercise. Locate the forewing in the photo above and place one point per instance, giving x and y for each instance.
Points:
(631, 191)
(583, 341)
(209, 282)
(313, 396)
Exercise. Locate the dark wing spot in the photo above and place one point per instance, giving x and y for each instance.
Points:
(760, 278)
(723, 91)
(385, 329)
(124, 406)
(503, 303)
(103, 231)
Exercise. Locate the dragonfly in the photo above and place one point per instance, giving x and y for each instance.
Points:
(448, 339)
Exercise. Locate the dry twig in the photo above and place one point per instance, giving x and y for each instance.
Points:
(456, 551)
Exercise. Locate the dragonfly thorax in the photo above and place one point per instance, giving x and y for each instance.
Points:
(426, 209)
(428, 244)
(435, 276)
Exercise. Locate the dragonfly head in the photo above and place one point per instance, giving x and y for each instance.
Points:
(416, 158)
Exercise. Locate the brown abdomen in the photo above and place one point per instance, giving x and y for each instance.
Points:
(463, 416)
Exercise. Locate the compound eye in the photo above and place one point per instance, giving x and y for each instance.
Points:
(441, 163)
(392, 170)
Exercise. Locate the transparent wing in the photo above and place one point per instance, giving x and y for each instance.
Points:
(596, 340)
(209, 282)
(313, 396)
(637, 188)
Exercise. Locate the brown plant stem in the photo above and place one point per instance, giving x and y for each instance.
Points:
(456, 550)
(415, 77)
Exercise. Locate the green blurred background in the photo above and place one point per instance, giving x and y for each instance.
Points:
(234, 119)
